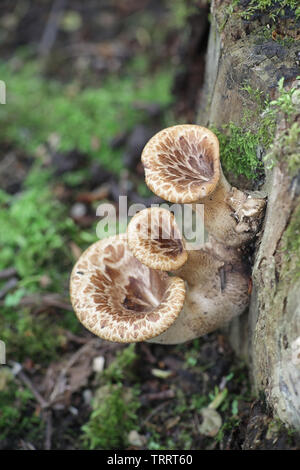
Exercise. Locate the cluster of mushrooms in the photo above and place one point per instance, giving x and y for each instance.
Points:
(145, 284)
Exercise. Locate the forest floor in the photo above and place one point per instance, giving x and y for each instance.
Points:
(87, 86)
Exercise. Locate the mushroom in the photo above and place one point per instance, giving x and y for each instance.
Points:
(118, 298)
(155, 239)
(182, 165)
(216, 276)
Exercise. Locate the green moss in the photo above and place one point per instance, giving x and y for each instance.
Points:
(273, 8)
(114, 416)
(122, 365)
(40, 111)
(286, 147)
(17, 417)
(114, 407)
(35, 240)
(36, 337)
(238, 150)
(239, 144)
(291, 247)
(285, 109)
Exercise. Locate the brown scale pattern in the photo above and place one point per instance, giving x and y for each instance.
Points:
(155, 240)
(182, 163)
(118, 298)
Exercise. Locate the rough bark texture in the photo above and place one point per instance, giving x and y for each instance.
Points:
(266, 336)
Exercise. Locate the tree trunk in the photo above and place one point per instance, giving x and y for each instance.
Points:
(268, 336)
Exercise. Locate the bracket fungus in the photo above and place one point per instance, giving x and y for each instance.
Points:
(216, 276)
(146, 285)
(182, 165)
(155, 239)
(120, 299)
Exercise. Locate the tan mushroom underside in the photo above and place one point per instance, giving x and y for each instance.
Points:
(182, 163)
(118, 298)
(155, 239)
(217, 283)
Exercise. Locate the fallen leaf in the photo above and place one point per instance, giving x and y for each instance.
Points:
(211, 423)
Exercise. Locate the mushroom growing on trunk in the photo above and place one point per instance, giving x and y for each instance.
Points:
(182, 165)
(120, 299)
(216, 276)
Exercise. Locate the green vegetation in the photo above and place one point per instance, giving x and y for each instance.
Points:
(181, 10)
(286, 144)
(35, 241)
(43, 117)
(44, 112)
(33, 238)
(115, 406)
(238, 150)
(38, 338)
(273, 8)
(239, 144)
(291, 247)
(17, 415)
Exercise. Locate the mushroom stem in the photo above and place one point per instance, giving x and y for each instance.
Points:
(217, 285)
(182, 165)
(216, 276)
(232, 216)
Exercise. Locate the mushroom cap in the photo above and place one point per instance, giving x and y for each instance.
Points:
(155, 239)
(182, 163)
(118, 298)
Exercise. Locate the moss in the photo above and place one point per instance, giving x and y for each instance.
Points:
(114, 416)
(273, 8)
(42, 113)
(291, 247)
(239, 145)
(115, 406)
(17, 411)
(286, 148)
(238, 150)
(39, 338)
(285, 109)
(122, 365)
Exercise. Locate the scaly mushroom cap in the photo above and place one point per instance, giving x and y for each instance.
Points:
(155, 239)
(118, 298)
(182, 163)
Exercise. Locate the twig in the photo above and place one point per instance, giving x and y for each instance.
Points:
(44, 301)
(23, 377)
(7, 273)
(154, 412)
(49, 430)
(50, 32)
(9, 285)
(164, 395)
(76, 339)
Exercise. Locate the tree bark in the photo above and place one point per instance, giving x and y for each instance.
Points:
(267, 335)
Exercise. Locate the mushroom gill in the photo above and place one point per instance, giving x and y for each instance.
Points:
(155, 239)
(182, 165)
(216, 277)
(118, 298)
